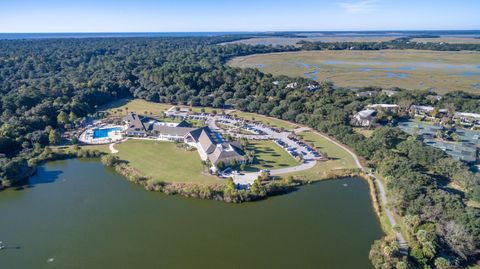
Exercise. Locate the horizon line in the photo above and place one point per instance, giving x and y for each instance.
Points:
(243, 31)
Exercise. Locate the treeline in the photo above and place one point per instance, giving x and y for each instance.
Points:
(52, 85)
(399, 43)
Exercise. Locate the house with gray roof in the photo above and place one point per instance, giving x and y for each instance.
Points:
(363, 118)
(213, 150)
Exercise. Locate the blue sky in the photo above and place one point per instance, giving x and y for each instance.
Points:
(240, 15)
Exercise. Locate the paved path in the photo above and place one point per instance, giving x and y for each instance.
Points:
(113, 150)
(249, 178)
(304, 166)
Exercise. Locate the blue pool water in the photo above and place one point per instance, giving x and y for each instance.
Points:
(103, 132)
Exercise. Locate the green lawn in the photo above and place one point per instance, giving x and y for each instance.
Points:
(163, 161)
(269, 155)
(339, 158)
(138, 106)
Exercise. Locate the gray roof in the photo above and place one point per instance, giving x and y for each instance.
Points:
(174, 131)
(206, 142)
(226, 152)
(135, 123)
(366, 113)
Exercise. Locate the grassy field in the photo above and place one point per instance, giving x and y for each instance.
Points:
(138, 106)
(265, 120)
(292, 41)
(410, 69)
(269, 155)
(163, 161)
(339, 158)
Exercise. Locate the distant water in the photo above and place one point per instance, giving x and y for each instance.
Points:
(457, 33)
(105, 35)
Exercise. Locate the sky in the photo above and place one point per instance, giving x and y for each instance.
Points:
(32, 16)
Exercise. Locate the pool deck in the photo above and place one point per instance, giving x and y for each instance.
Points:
(87, 136)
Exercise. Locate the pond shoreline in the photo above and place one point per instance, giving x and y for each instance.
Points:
(84, 215)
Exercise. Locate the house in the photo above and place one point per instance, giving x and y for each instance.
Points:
(292, 85)
(468, 119)
(212, 148)
(425, 111)
(364, 118)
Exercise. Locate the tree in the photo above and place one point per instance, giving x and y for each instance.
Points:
(53, 137)
(455, 137)
(230, 184)
(233, 163)
(62, 118)
(72, 117)
(442, 263)
(220, 165)
(109, 160)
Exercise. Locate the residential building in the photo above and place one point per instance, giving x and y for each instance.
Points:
(364, 118)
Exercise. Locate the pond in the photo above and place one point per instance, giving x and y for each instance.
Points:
(79, 214)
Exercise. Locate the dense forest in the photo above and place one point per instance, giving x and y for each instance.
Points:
(48, 86)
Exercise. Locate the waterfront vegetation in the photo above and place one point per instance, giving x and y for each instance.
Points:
(49, 86)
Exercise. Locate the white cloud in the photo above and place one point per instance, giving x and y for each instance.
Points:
(359, 7)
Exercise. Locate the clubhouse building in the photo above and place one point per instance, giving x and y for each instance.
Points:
(210, 145)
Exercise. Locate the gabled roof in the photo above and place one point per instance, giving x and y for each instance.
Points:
(226, 152)
(135, 123)
(195, 134)
(183, 124)
(206, 142)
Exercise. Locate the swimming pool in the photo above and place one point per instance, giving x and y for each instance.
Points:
(103, 132)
